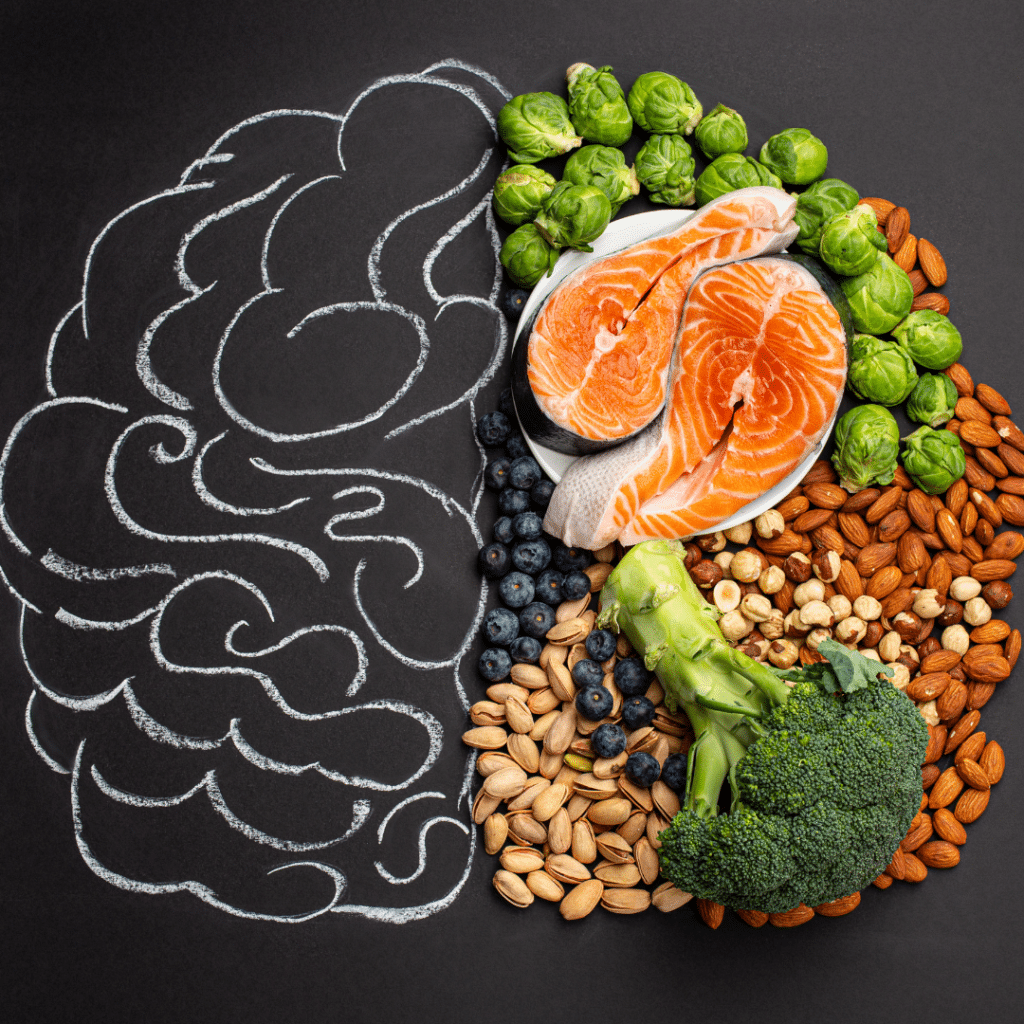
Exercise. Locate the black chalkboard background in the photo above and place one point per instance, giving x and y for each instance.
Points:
(105, 106)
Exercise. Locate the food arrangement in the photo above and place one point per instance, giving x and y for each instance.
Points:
(772, 717)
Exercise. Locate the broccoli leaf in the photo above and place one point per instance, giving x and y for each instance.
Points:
(842, 670)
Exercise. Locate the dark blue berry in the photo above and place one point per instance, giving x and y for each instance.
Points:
(637, 712)
(495, 664)
(503, 531)
(515, 447)
(549, 587)
(600, 644)
(493, 429)
(608, 740)
(516, 589)
(507, 405)
(540, 493)
(500, 626)
(566, 559)
(531, 556)
(594, 702)
(574, 585)
(525, 649)
(528, 526)
(673, 772)
(496, 473)
(512, 501)
(536, 619)
(494, 561)
(587, 673)
(642, 769)
(512, 302)
(525, 472)
(631, 677)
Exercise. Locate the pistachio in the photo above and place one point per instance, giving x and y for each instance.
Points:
(614, 848)
(646, 860)
(544, 887)
(566, 869)
(618, 876)
(626, 901)
(584, 842)
(512, 888)
(495, 832)
(668, 898)
(581, 900)
(521, 859)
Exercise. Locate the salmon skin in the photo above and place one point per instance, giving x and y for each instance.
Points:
(594, 369)
(756, 378)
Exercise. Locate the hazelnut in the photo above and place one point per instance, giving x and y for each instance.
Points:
(746, 566)
(928, 604)
(928, 646)
(816, 636)
(693, 555)
(739, 534)
(793, 627)
(840, 606)
(867, 608)
(826, 564)
(955, 638)
(963, 588)
(756, 607)
(889, 646)
(772, 580)
(797, 567)
(977, 612)
(908, 625)
(870, 652)
(929, 712)
(711, 542)
(783, 653)
(734, 626)
(774, 626)
(811, 590)
(724, 559)
(706, 574)
(770, 524)
(875, 632)
(816, 613)
(726, 595)
(850, 630)
(997, 594)
(951, 616)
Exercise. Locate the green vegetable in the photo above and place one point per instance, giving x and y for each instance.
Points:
(665, 167)
(721, 131)
(934, 459)
(850, 241)
(527, 257)
(817, 205)
(519, 191)
(930, 339)
(824, 775)
(605, 168)
(933, 400)
(597, 105)
(662, 103)
(731, 171)
(880, 370)
(880, 297)
(796, 156)
(536, 126)
(573, 216)
(867, 444)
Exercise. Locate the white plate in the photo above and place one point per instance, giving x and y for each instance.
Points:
(618, 235)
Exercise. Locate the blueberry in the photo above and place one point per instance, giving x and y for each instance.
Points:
(600, 644)
(637, 712)
(525, 649)
(531, 556)
(673, 772)
(642, 769)
(515, 447)
(495, 664)
(496, 473)
(507, 405)
(549, 587)
(587, 673)
(540, 493)
(574, 585)
(536, 619)
(608, 740)
(500, 626)
(525, 472)
(512, 302)
(494, 561)
(493, 429)
(594, 702)
(631, 677)
(503, 532)
(567, 559)
(528, 526)
(516, 589)
(512, 501)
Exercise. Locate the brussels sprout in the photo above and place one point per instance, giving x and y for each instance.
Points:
(731, 171)
(930, 339)
(867, 444)
(721, 131)
(527, 257)
(662, 103)
(933, 400)
(850, 241)
(817, 205)
(605, 168)
(796, 156)
(880, 297)
(880, 370)
(665, 167)
(573, 216)
(934, 459)
(536, 126)
(597, 105)
(519, 191)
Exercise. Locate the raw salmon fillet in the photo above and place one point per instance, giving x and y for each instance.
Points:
(599, 352)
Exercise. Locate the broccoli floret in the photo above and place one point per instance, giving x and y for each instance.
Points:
(823, 764)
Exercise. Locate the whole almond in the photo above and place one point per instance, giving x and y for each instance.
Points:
(1011, 484)
(882, 208)
(979, 434)
(755, 918)
(975, 473)
(972, 745)
(993, 762)
(928, 687)
(939, 854)
(946, 789)
(906, 255)
(800, 914)
(884, 581)
(874, 557)
(916, 869)
(917, 835)
(972, 773)
(992, 632)
(897, 226)
(812, 518)
(930, 300)
(883, 881)
(1011, 458)
(969, 408)
(848, 582)
(960, 377)
(940, 575)
(898, 865)
(932, 263)
(1012, 508)
(939, 661)
(971, 805)
(1008, 431)
(854, 529)
(839, 907)
(911, 553)
(948, 828)
(992, 400)
(987, 668)
(883, 504)
(918, 282)
(948, 529)
(993, 568)
(711, 913)
(921, 510)
(952, 701)
(1008, 544)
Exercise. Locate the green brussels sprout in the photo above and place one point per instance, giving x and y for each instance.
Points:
(867, 444)
(573, 216)
(519, 191)
(731, 171)
(880, 371)
(536, 126)
(665, 167)
(604, 167)
(880, 297)
(933, 400)
(930, 338)
(597, 105)
(662, 103)
(816, 206)
(527, 257)
(796, 156)
(934, 459)
(850, 241)
(721, 131)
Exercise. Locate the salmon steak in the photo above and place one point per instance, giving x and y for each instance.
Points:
(756, 378)
(594, 370)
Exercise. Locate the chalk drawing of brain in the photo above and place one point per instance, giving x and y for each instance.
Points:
(233, 525)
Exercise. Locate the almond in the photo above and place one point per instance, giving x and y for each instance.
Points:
(971, 805)
(921, 510)
(1008, 431)
(939, 854)
(916, 869)
(911, 554)
(812, 519)
(960, 377)
(946, 789)
(800, 914)
(917, 835)
(839, 907)
(1011, 457)
(928, 687)
(1012, 508)
(948, 529)
(918, 282)
(882, 208)
(993, 568)
(992, 400)
(848, 582)
(976, 475)
(979, 434)
(854, 529)
(987, 668)
(992, 632)
(972, 773)
(1011, 484)
(932, 263)
(969, 408)
(972, 745)
(897, 226)
(956, 496)
(711, 913)
(883, 505)
(993, 762)
(931, 300)
(906, 255)
(1011, 649)
(755, 918)
(874, 557)
(952, 702)
(948, 828)
(825, 495)
(883, 881)
(884, 581)
(939, 661)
